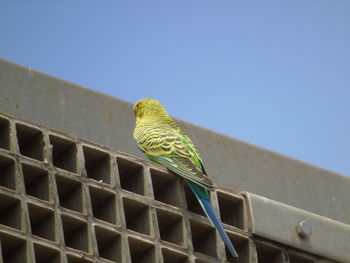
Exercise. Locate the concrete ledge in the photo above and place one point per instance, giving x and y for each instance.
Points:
(278, 222)
(52, 102)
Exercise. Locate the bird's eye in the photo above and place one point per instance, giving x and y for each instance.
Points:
(136, 108)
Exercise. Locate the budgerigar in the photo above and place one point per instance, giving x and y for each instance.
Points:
(159, 137)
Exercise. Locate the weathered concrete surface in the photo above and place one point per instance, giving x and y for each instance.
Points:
(328, 238)
(65, 106)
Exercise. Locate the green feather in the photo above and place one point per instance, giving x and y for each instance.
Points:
(201, 191)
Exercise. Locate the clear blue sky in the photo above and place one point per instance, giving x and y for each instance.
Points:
(270, 73)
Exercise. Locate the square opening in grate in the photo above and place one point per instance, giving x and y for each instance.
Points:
(170, 256)
(203, 238)
(295, 258)
(13, 249)
(70, 193)
(10, 212)
(44, 254)
(131, 176)
(166, 187)
(42, 222)
(5, 134)
(231, 210)
(64, 153)
(268, 254)
(103, 205)
(109, 244)
(75, 233)
(36, 182)
(30, 141)
(137, 216)
(241, 245)
(78, 259)
(141, 252)
(7, 173)
(97, 165)
(170, 227)
(192, 202)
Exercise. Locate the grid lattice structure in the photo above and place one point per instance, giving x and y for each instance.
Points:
(63, 199)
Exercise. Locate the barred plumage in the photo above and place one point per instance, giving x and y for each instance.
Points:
(159, 137)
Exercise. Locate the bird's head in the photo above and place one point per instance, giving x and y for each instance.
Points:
(148, 107)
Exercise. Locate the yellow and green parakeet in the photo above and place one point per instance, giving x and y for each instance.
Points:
(159, 137)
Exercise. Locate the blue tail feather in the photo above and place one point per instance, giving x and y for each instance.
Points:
(209, 211)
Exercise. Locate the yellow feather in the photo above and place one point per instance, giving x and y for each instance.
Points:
(153, 120)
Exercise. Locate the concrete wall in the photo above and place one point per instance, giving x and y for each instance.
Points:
(240, 166)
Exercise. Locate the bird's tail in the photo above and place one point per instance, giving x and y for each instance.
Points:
(209, 211)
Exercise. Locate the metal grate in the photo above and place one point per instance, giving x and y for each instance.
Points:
(36, 182)
(63, 153)
(5, 134)
(30, 141)
(66, 200)
(268, 253)
(10, 212)
(13, 248)
(8, 173)
(70, 193)
(45, 254)
(108, 244)
(171, 228)
(42, 222)
(131, 176)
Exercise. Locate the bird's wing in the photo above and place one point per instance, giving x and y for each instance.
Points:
(171, 149)
(161, 140)
(188, 141)
(185, 168)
